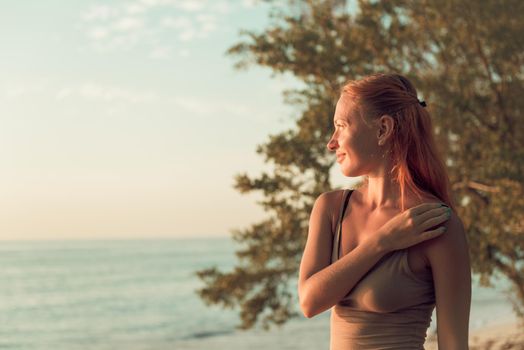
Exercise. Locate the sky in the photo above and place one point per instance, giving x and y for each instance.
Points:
(126, 119)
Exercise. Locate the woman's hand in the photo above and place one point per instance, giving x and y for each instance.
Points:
(409, 227)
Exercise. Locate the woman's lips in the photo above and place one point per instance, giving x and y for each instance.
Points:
(340, 157)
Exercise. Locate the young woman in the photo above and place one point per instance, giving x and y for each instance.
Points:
(384, 255)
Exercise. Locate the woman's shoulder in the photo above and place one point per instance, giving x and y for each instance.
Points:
(334, 199)
(453, 237)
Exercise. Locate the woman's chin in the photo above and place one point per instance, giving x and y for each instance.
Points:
(345, 170)
(348, 170)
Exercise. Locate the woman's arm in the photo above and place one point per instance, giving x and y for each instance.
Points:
(322, 285)
(448, 256)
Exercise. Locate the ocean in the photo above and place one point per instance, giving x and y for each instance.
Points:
(140, 294)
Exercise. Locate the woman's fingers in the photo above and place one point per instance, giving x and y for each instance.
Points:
(433, 213)
(424, 207)
(409, 227)
(432, 233)
(433, 218)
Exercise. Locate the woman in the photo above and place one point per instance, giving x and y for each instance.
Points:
(384, 255)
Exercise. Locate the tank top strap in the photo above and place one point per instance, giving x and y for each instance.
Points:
(338, 230)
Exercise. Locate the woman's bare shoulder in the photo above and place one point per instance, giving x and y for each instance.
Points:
(335, 199)
(334, 194)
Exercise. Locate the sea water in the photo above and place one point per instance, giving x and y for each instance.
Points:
(140, 294)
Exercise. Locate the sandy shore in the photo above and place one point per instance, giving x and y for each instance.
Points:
(500, 336)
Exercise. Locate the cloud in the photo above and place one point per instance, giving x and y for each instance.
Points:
(100, 12)
(88, 91)
(63, 93)
(187, 29)
(15, 91)
(206, 107)
(183, 26)
(183, 53)
(21, 89)
(207, 23)
(128, 23)
(135, 8)
(98, 33)
(160, 53)
(249, 3)
(191, 5)
(173, 22)
(194, 105)
(221, 7)
(146, 22)
(113, 93)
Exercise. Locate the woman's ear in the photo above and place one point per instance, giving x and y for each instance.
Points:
(385, 128)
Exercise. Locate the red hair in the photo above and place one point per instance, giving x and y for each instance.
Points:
(417, 163)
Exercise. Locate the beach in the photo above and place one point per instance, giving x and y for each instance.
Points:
(506, 335)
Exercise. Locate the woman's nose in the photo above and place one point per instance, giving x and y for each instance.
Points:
(331, 145)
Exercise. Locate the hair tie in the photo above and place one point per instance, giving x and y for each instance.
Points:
(422, 103)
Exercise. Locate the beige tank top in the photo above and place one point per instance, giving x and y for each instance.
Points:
(389, 308)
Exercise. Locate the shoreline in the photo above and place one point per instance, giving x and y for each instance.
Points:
(503, 335)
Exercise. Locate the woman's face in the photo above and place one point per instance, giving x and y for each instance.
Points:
(355, 143)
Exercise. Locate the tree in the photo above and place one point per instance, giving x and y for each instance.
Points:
(466, 60)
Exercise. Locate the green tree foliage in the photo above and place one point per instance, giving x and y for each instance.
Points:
(465, 58)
